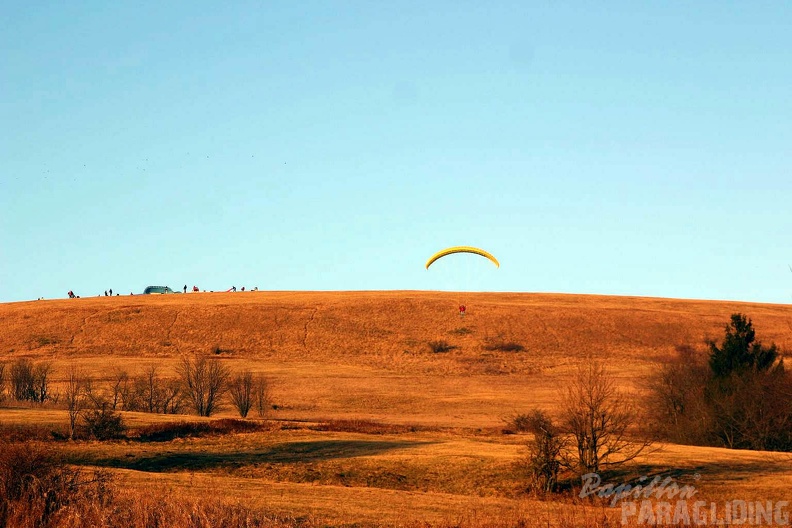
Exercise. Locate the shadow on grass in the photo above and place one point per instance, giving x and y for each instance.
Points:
(716, 472)
(287, 453)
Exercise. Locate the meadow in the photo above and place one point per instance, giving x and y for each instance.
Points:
(387, 408)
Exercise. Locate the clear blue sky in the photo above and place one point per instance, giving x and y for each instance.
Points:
(625, 148)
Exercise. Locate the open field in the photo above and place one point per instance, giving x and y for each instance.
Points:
(441, 455)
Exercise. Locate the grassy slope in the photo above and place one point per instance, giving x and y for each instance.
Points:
(366, 354)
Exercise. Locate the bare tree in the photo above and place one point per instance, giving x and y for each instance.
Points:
(29, 381)
(117, 386)
(147, 392)
(150, 390)
(261, 395)
(74, 397)
(94, 395)
(754, 411)
(173, 397)
(599, 419)
(41, 374)
(544, 451)
(129, 396)
(2, 382)
(22, 380)
(676, 402)
(204, 381)
(241, 390)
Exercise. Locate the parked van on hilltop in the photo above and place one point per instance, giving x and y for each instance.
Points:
(157, 289)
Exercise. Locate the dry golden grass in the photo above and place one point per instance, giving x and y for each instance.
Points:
(366, 356)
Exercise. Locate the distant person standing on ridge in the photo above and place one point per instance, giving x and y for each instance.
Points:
(105, 293)
(185, 288)
(111, 292)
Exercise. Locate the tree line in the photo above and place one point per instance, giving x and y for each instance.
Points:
(198, 384)
(736, 394)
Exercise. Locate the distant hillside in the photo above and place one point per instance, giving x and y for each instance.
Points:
(341, 353)
(358, 325)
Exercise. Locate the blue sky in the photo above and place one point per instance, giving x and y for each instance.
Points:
(617, 148)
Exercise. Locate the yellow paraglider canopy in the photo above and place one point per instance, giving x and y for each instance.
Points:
(461, 249)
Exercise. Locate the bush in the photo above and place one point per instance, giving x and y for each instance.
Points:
(171, 431)
(232, 426)
(103, 423)
(165, 508)
(440, 346)
(36, 484)
(10, 432)
(520, 423)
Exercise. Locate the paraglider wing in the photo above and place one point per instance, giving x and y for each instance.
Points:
(461, 249)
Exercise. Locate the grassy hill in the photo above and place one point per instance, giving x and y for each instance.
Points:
(401, 357)
(370, 353)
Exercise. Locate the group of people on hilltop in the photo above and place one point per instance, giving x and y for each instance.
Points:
(233, 289)
(107, 293)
